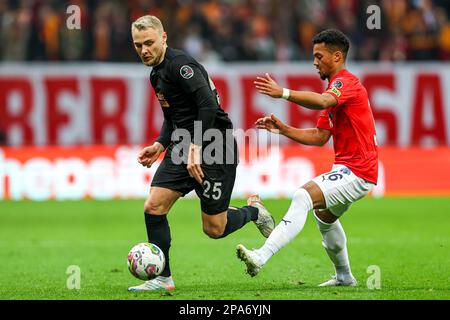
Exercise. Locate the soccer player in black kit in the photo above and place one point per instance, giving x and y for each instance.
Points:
(189, 101)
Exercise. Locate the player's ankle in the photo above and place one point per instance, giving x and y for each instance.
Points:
(343, 273)
(263, 255)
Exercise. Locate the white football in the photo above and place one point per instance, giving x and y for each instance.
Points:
(146, 261)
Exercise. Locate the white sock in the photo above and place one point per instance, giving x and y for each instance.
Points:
(335, 244)
(291, 224)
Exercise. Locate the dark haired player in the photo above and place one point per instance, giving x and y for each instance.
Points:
(188, 97)
(347, 117)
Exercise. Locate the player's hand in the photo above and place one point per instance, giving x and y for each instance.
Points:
(150, 154)
(193, 165)
(272, 124)
(266, 85)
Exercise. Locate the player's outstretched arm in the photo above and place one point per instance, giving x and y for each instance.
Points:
(310, 137)
(311, 100)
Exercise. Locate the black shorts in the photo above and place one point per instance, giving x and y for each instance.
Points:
(214, 193)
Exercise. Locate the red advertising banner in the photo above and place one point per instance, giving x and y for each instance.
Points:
(106, 172)
(76, 104)
(416, 171)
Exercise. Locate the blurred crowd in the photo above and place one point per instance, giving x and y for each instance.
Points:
(224, 30)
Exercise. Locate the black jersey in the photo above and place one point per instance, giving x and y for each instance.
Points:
(186, 94)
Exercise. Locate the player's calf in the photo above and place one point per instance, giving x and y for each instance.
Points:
(220, 225)
(213, 231)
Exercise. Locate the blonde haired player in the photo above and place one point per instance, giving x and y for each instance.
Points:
(187, 97)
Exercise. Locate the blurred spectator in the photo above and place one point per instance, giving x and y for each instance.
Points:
(444, 36)
(75, 42)
(224, 30)
(15, 29)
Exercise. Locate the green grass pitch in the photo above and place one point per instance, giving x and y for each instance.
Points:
(407, 238)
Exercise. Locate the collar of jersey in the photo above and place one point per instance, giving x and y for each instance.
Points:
(340, 73)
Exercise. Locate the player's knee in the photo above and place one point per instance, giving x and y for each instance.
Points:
(325, 219)
(154, 206)
(301, 196)
(213, 231)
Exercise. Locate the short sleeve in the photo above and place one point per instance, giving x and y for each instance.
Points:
(187, 73)
(341, 90)
(323, 122)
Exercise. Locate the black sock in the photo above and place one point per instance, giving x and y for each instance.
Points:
(238, 217)
(158, 232)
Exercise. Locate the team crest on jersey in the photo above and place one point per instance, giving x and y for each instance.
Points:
(337, 84)
(186, 72)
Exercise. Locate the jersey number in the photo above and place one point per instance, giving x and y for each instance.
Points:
(215, 193)
(332, 176)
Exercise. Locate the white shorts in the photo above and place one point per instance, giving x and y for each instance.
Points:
(341, 187)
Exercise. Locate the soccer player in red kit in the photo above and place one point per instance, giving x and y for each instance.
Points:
(347, 117)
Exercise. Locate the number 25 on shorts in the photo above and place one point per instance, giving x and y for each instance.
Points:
(212, 190)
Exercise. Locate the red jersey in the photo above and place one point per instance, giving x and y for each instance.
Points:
(352, 126)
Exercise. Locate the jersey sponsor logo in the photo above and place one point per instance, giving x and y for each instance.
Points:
(337, 84)
(162, 100)
(335, 91)
(186, 72)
